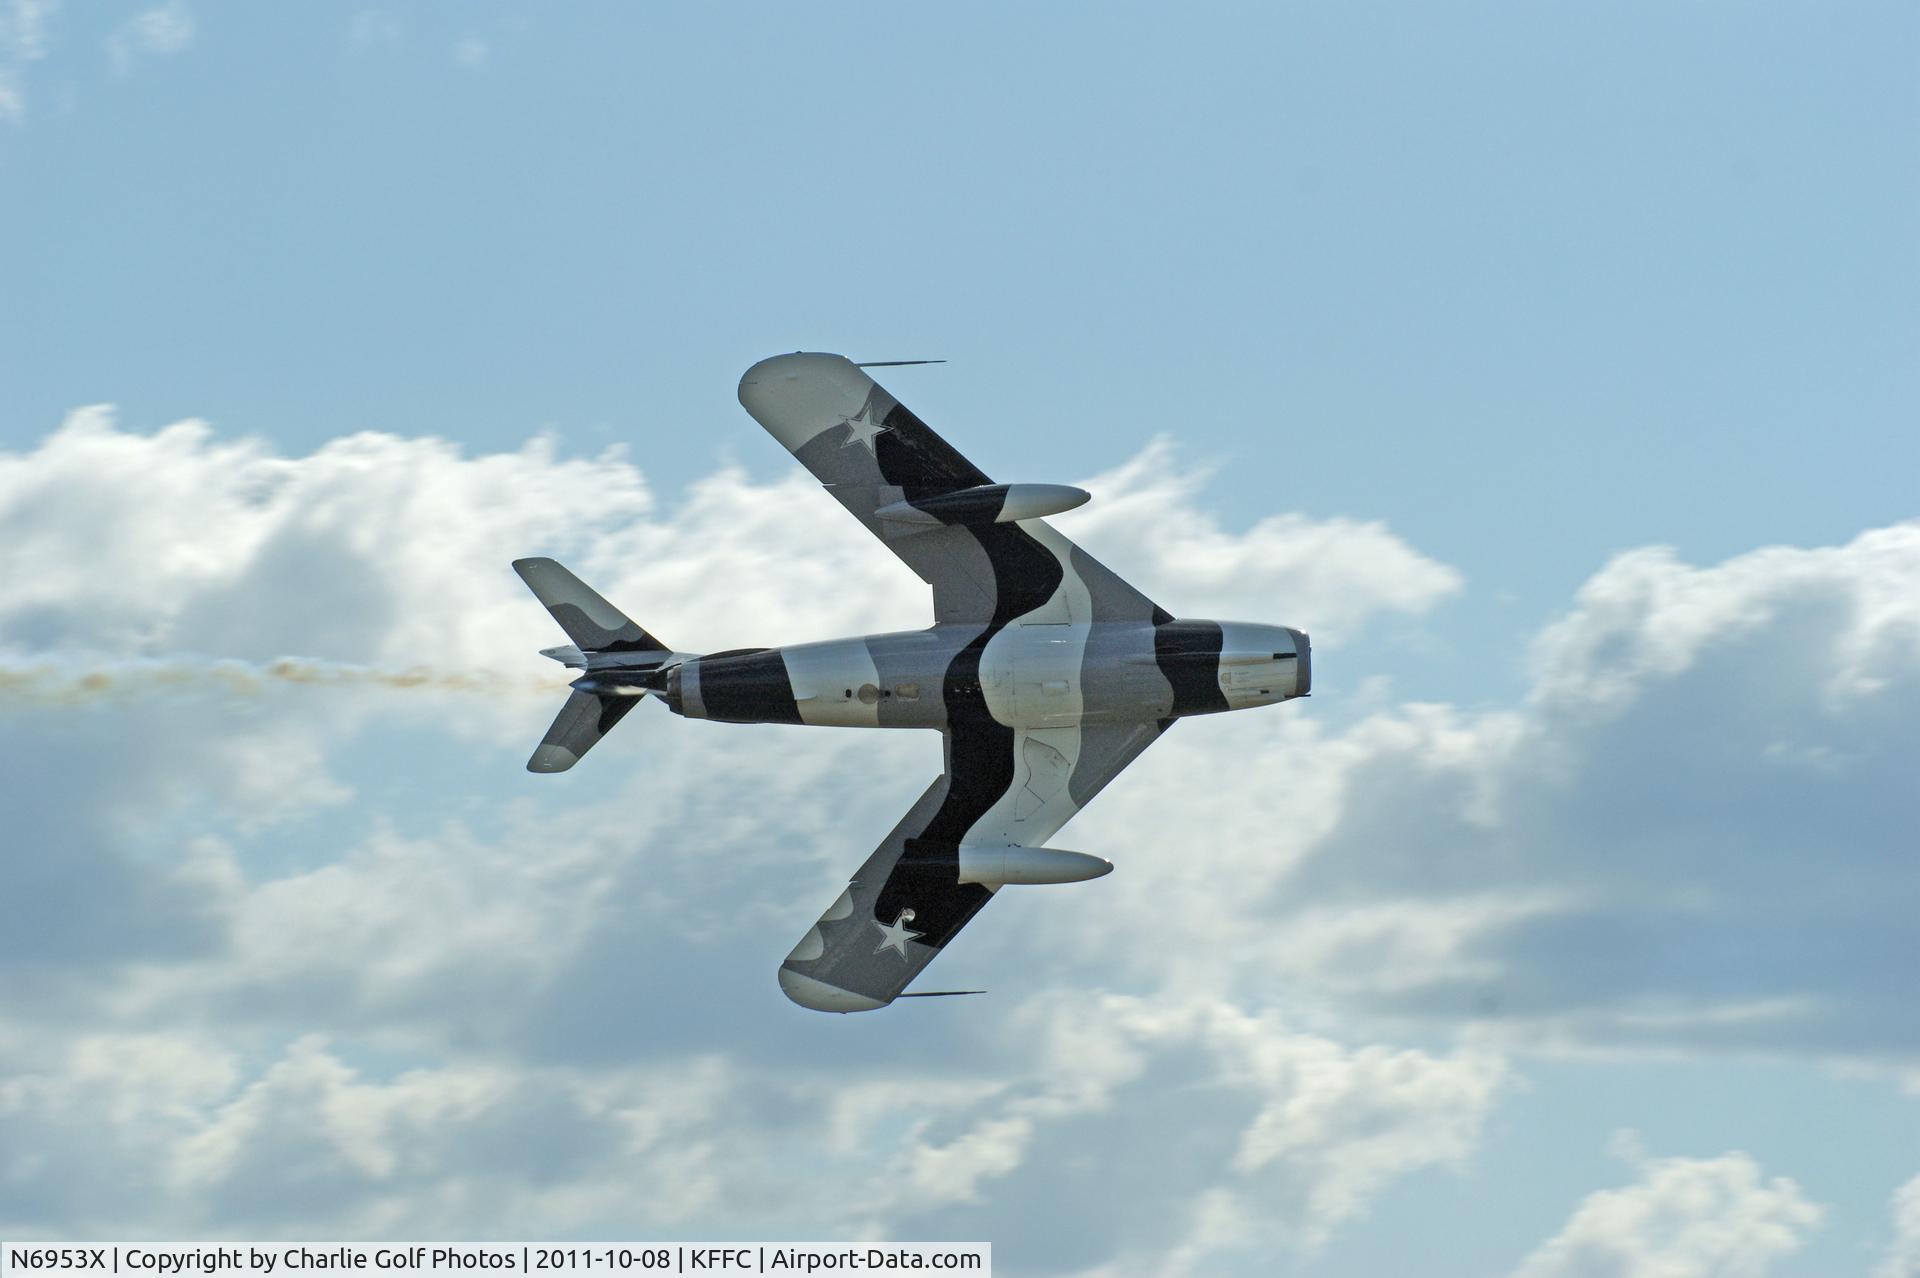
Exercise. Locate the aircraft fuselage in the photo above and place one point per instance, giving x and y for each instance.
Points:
(1021, 676)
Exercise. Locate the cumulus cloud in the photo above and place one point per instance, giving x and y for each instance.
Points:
(1648, 619)
(301, 1137)
(344, 925)
(1694, 831)
(180, 541)
(1151, 516)
(158, 32)
(364, 955)
(1903, 1257)
(147, 580)
(1683, 1218)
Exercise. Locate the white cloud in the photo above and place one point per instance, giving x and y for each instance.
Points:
(1683, 1218)
(348, 927)
(158, 32)
(1647, 618)
(1150, 519)
(1301, 1135)
(123, 555)
(507, 942)
(195, 544)
(1693, 833)
(300, 1139)
(23, 41)
(1903, 1257)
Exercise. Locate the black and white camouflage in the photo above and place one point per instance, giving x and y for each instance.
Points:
(1045, 672)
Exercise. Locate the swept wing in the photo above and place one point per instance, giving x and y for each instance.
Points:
(1002, 787)
(872, 454)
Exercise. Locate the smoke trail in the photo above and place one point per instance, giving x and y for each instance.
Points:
(46, 683)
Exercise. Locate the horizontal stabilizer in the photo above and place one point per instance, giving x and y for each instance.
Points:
(582, 721)
(591, 622)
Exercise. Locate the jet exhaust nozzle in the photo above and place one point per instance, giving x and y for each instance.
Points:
(622, 683)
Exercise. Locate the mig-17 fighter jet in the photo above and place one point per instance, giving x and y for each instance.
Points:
(1044, 671)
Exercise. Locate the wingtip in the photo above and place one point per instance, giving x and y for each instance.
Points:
(796, 396)
(552, 758)
(818, 996)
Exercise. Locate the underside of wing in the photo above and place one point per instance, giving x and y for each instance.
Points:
(917, 494)
(980, 825)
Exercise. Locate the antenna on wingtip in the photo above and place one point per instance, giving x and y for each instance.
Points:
(938, 993)
(897, 363)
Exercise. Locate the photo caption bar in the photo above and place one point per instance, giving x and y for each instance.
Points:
(276, 1259)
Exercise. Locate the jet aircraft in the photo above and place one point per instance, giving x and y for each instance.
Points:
(1043, 670)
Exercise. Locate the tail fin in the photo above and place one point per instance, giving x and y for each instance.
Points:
(579, 725)
(595, 626)
(591, 622)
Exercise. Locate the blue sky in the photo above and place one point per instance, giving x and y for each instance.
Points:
(1450, 317)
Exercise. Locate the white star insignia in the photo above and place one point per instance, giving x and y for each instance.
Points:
(895, 938)
(861, 429)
